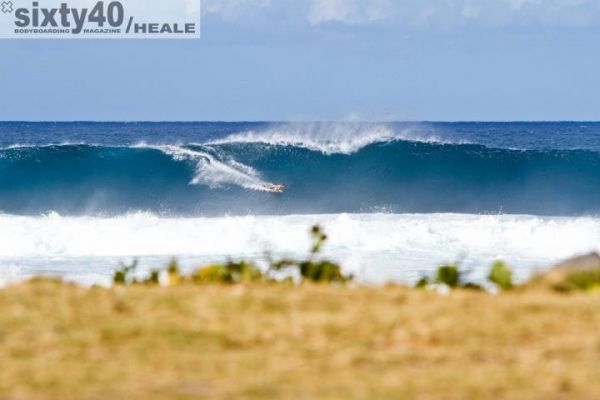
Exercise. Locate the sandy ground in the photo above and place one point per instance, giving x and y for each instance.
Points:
(280, 342)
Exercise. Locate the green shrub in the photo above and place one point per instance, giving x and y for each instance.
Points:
(173, 267)
(471, 286)
(448, 275)
(230, 273)
(215, 273)
(580, 280)
(501, 276)
(174, 273)
(123, 276)
(319, 239)
(322, 272)
(422, 283)
(243, 271)
(319, 271)
(154, 278)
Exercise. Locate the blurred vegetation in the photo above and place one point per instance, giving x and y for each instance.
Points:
(315, 269)
(501, 276)
(422, 283)
(448, 275)
(229, 273)
(451, 276)
(311, 269)
(124, 275)
(580, 280)
(319, 238)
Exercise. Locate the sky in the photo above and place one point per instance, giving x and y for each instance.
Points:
(283, 60)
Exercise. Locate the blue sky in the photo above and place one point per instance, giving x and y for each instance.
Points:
(325, 60)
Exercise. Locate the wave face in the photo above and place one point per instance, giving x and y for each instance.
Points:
(233, 176)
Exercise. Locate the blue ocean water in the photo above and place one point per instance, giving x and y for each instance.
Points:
(397, 199)
(211, 169)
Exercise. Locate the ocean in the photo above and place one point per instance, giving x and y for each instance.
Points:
(396, 199)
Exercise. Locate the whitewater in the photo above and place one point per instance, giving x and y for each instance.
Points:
(375, 247)
(78, 199)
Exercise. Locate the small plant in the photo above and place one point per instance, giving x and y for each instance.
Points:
(422, 283)
(580, 280)
(322, 272)
(471, 286)
(319, 271)
(501, 276)
(448, 275)
(173, 267)
(215, 273)
(123, 276)
(174, 273)
(230, 273)
(154, 278)
(319, 239)
(243, 271)
(312, 269)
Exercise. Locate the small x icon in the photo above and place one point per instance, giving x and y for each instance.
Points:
(7, 7)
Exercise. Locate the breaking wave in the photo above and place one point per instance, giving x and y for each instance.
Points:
(236, 176)
(330, 138)
(375, 247)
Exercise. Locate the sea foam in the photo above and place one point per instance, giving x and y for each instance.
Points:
(330, 137)
(214, 172)
(376, 247)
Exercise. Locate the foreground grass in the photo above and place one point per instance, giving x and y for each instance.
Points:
(272, 341)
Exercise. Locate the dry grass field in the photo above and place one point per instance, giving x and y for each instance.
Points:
(269, 341)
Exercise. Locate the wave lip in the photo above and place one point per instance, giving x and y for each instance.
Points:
(330, 138)
(215, 170)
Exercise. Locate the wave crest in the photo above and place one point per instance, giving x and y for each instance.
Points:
(215, 170)
(330, 138)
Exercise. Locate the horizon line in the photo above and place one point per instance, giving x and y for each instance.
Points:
(302, 121)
